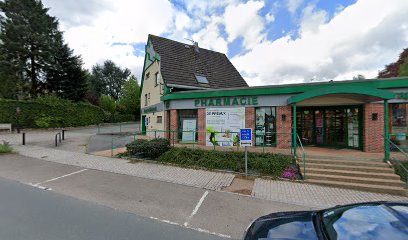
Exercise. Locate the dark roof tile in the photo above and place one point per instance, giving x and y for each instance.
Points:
(179, 64)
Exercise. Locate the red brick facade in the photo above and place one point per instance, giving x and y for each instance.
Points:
(283, 128)
(201, 126)
(373, 129)
(173, 126)
(250, 121)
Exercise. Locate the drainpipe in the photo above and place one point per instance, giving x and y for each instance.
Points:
(386, 144)
(294, 138)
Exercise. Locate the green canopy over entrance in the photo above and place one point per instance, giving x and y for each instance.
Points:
(359, 90)
(365, 94)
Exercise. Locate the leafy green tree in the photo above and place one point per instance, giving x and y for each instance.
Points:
(28, 35)
(403, 70)
(129, 102)
(108, 79)
(394, 69)
(108, 104)
(67, 79)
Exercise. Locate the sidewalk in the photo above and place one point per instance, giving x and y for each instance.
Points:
(189, 177)
(314, 195)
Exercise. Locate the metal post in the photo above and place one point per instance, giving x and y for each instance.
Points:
(155, 134)
(23, 138)
(246, 161)
(294, 130)
(112, 147)
(56, 139)
(63, 134)
(386, 137)
(59, 137)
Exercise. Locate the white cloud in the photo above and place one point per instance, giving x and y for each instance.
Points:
(269, 17)
(210, 36)
(361, 39)
(242, 20)
(293, 5)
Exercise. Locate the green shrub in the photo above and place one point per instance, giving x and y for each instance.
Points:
(150, 149)
(49, 112)
(400, 170)
(258, 163)
(5, 147)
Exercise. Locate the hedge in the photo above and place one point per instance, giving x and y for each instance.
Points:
(266, 164)
(43, 113)
(400, 170)
(150, 149)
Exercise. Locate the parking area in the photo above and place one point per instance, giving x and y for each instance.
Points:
(220, 213)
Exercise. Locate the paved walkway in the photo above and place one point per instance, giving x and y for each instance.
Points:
(190, 177)
(314, 195)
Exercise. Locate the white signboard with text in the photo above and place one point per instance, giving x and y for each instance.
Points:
(223, 126)
(189, 128)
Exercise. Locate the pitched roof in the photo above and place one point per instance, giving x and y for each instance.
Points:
(179, 63)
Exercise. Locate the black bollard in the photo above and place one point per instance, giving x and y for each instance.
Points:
(23, 138)
(63, 134)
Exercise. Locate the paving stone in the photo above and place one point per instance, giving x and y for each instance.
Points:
(313, 195)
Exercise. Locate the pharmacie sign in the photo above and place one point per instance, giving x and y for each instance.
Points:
(226, 101)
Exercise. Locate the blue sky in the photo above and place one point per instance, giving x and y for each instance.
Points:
(269, 42)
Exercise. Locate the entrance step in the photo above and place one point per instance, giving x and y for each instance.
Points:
(362, 187)
(360, 180)
(350, 167)
(348, 162)
(350, 173)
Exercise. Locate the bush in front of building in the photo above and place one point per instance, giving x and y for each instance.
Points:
(148, 149)
(49, 111)
(266, 164)
(400, 170)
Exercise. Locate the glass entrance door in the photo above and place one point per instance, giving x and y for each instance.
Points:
(330, 126)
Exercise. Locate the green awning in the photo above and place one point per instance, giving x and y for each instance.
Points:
(358, 90)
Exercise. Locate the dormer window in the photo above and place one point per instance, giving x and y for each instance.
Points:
(201, 79)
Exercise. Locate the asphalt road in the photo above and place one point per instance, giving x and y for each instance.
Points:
(220, 213)
(27, 212)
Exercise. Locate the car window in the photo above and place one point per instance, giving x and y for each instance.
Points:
(364, 222)
(403, 210)
(289, 228)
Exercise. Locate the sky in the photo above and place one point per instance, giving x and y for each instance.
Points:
(269, 42)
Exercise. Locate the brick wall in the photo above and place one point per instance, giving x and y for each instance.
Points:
(250, 121)
(201, 126)
(283, 128)
(167, 123)
(373, 129)
(173, 125)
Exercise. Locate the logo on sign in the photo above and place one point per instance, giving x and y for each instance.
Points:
(245, 137)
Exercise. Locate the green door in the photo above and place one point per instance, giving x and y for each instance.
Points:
(143, 125)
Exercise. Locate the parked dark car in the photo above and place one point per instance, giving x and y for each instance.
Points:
(372, 220)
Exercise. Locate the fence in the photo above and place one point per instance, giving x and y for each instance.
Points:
(265, 142)
(119, 128)
(399, 156)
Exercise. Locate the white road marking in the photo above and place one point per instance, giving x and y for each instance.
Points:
(195, 229)
(53, 179)
(196, 208)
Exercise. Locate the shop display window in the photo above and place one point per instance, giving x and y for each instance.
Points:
(265, 126)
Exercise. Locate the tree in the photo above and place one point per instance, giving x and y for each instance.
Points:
(129, 102)
(66, 78)
(108, 79)
(108, 104)
(403, 70)
(393, 69)
(28, 36)
(359, 77)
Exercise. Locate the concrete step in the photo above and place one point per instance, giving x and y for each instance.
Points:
(339, 157)
(361, 187)
(348, 162)
(384, 169)
(350, 173)
(362, 180)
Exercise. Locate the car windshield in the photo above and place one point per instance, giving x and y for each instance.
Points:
(365, 222)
